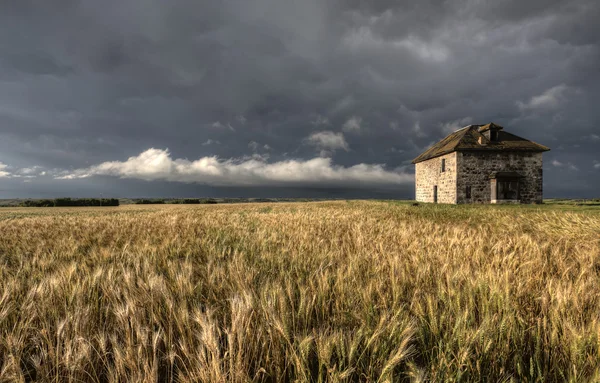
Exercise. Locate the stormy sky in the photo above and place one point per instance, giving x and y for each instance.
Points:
(268, 98)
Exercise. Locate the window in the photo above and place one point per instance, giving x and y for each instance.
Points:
(493, 135)
(468, 191)
(443, 165)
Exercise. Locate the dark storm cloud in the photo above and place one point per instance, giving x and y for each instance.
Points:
(86, 82)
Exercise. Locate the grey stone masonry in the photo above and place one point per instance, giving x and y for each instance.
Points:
(475, 168)
(472, 170)
(428, 174)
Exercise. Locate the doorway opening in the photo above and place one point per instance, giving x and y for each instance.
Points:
(505, 187)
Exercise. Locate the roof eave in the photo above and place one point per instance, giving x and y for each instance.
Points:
(492, 149)
(417, 160)
(483, 149)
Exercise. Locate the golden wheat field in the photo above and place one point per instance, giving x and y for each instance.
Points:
(342, 291)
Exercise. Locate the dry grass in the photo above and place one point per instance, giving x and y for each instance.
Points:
(324, 292)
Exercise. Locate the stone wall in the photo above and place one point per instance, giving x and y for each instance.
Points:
(428, 173)
(474, 169)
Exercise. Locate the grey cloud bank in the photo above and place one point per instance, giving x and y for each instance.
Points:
(331, 93)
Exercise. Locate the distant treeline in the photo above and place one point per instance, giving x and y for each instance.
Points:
(65, 202)
(144, 201)
(193, 201)
(186, 201)
(150, 202)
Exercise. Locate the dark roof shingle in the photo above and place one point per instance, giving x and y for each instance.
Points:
(467, 139)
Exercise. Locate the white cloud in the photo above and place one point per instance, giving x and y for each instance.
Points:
(596, 164)
(219, 125)
(31, 172)
(364, 38)
(559, 164)
(157, 164)
(211, 142)
(320, 120)
(550, 99)
(328, 140)
(344, 103)
(396, 150)
(3, 172)
(594, 137)
(418, 131)
(424, 50)
(28, 171)
(253, 145)
(453, 126)
(352, 125)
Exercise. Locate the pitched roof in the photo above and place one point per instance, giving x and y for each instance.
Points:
(468, 139)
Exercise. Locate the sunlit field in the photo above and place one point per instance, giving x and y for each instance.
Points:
(300, 292)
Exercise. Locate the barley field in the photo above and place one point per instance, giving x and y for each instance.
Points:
(345, 291)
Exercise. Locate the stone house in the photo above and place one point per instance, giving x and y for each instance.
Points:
(480, 164)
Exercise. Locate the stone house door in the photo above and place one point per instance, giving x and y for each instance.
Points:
(507, 189)
(435, 194)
